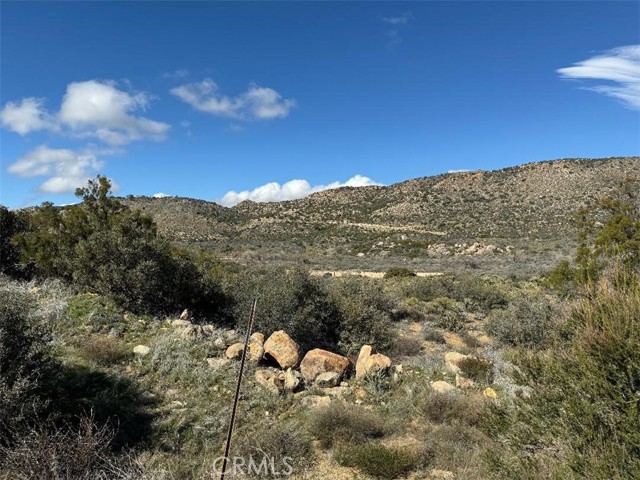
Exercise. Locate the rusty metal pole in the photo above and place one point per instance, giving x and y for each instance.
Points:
(232, 421)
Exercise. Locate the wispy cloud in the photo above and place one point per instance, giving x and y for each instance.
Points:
(458, 170)
(400, 19)
(619, 66)
(179, 74)
(291, 190)
(397, 23)
(256, 103)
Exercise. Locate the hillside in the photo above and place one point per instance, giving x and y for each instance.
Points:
(524, 213)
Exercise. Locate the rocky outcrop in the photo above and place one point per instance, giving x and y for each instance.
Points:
(451, 360)
(368, 363)
(281, 348)
(318, 361)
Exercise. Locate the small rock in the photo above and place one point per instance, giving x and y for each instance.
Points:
(115, 332)
(217, 363)
(141, 350)
(257, 337)
(490, 393)
(462, 382)
(442, 475)
(451, 360)
(336, 391)
(270, 379)
(315, 401)
(318, 361)
(185, 315)
(219, 344)
(368, 363)
(327, 379)
(282, 349)
(182, 323)
(441, 386)
(256, 352)
(234, 351)
(292, 380)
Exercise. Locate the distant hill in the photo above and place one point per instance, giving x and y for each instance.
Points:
(527, 206)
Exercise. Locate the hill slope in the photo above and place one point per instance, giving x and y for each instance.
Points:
(530, 206)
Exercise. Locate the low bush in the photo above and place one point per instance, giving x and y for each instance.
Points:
(65, 453)
(365, 313)
(380, 461)
(274, 450)
(25, 364)
(525, 322)
(477, 369)
(339, 423)
(289, 300)
(446, 313)
(400, 272)
(451, 408)
(104, 351)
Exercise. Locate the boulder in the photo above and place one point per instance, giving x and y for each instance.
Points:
(185, 315)
(318, 361)
(256, 352)
(451, 360)
(441, 386)
(282, 349)
(368, 363)
(197, 331)
(234, 351)
(327, 380)
(270, 379)
(141, 350)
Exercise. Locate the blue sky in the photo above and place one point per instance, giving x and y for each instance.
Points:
(202, 99)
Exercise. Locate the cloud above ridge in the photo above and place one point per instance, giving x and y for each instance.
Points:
(291, 190)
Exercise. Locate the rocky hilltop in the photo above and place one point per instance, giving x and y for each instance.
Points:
(530, 206)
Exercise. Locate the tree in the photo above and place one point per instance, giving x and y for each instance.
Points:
(102, 245)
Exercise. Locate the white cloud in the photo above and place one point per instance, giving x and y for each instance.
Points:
(161, 195)
(99, 109)
(400, 19)
(68, 169)
(26, 116)
(621, 66)
(291, 190)
(90, 109)
(257, 103)
(458, 170)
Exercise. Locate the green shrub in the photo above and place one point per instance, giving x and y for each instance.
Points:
(365, 311)
(65, 453)
(380, 461)
(585, 393)
(446, 313)
(400, 272)
(104, 351)
(477, 369)
(451, 408)
(11, 224)
(283, 447)
(525, 322)
(25, 365)
(339, 423)
(289, 300)
(106, 248)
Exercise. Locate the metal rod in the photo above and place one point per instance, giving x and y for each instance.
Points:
(232, 422)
